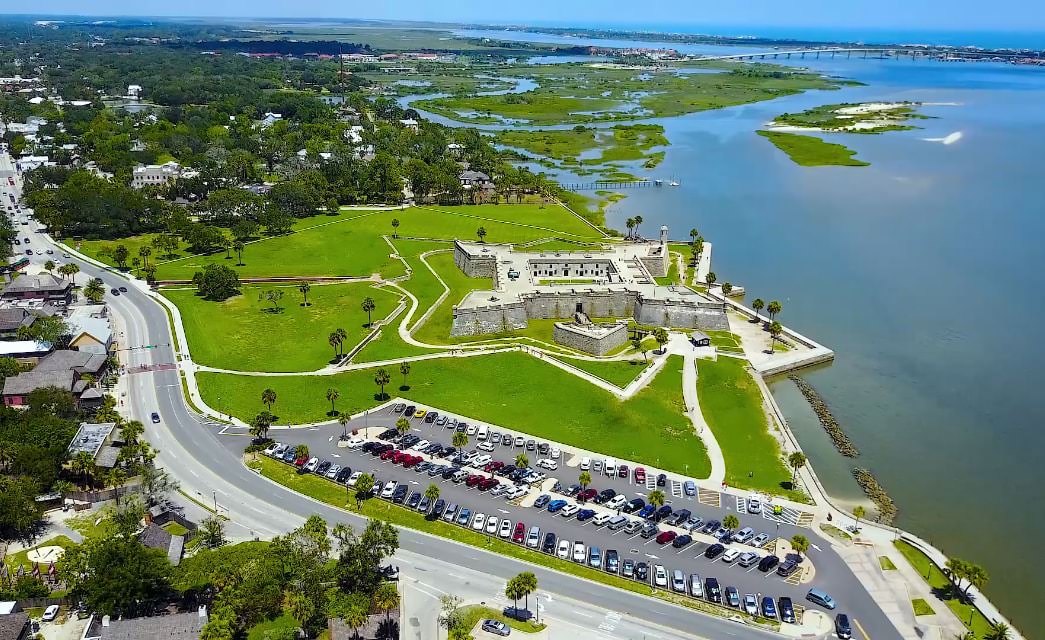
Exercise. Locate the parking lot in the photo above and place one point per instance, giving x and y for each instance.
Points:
(630, 546)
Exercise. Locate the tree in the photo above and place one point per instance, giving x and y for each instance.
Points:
(300, 607)
(226, 244)
(757, 305)
(432, 492)
(584, 479)
(775, 329)
(114, 479)
(364, 485)
(727, 288)
(216, 282)
(144, 253)
(630, 224)
(449, 613)
(459, 440)
(386, 598)
(368, 306)
(528, 584)
(238, 247)
(211, 532)
(799, 543)
(395, 227)
(774, 308)
(693, 235)
(304, 288)
(656, 498)
(481, 233)
(334, 340)
(116, 573)
(259, 426)
(119, 255)
(301, 451)
(356, 617)
(381, 378)
(858, 512)
(796, 461)
(404, 368)
(637, 344)
(514, 590)
(638, 221)
(521, 461)
(73, 269)
(402, 426)
(730, 521)
(49, 266)
(660, 334)
(268, 398)
(710, 279)
(94, 291)
(274, 296)
(360, 557)
(998, 631)
(332, 396)
(83, 465)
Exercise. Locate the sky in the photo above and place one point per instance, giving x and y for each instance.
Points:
(682, 15)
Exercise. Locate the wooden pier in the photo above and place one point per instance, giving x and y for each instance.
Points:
(599, 185)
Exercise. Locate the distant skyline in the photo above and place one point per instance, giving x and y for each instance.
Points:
(890, 15)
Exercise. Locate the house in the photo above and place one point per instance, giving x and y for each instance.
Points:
(410, 124)
(146, 175)
(14, 626)
(354, 134)
(96, 440)
(700, 339)
(41, 286)
(25, 351)
(270, 119)
(63, 369)
(90, 334)
(28, 163)
(134, 91)
(156, 537)
(454, 149)
(475, 180)
(14, 318)
(176, 626)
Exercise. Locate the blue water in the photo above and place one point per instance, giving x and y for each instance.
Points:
(925, 272)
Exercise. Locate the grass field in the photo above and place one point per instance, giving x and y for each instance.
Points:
(725, 341)
(886, 563)
(472, 614)
(941, 586)
(22, 557)
(284, 626)
(618, 372)
(810, 151)
(615, 144)
(499, 388)
(732, 405)
(921, 607)
(244, 333)
(436, 329)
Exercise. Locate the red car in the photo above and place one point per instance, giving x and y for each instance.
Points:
(520, 533)
(493, 466)
(473, 480)
(622, 471)
(388, 455)
(409, 461)
(665, 537)
(301, 461)
(640, 475)
(488, 483)
(587, 494)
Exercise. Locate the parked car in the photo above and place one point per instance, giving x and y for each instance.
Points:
(768, 563)
(640, 475)
(768, 607)
(627, 568)
(712, 590)
(754, 505)
(542, 500)
(594, 558)
(787, 610)
(563, 552)
(549, 543)
(760, 540)
(714, 551)
(750, 604)
(579, 552)
(747, 559)
(660, 576)
(696, 586)
(496, 627)
(519, 536)
(585, 514)
(634, 505)
(666, 537)
(730, 556)
(787, 568)
(612, 563)
(678, 581)
(506, 528)
(690, 487)
(744, 535)
(842, 628)
(556, 505)
(681, 541)
(732, 597)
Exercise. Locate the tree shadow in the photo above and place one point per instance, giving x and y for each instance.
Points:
(271, 311)
(387, 630)
(404, 387)
(333, 414)
(381, 397)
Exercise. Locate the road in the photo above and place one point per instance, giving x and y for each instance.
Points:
(208, 467)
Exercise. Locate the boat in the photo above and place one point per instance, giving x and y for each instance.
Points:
(658, 182)
(674, 183)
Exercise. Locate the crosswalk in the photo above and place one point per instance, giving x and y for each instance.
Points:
(610, 621)
(651, 482)
(781, 514)
(709, 497)
(676, 488)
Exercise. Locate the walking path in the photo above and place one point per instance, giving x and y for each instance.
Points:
(689, 395)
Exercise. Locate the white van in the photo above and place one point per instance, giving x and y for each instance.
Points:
(611, 467)
(482, 433)
(602, 519)
(585, 463)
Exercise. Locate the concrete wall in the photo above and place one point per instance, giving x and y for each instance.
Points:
(595, 303)
(599, 345)
(484, 266)
(477, 321)
(688, 315)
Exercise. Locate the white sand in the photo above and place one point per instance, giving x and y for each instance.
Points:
(950, 138)
(873, 107)
(45, 554)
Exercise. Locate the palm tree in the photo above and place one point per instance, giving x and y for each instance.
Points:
(521, 461)
(514, 590)
(693, 235)
(381, 378)
(63, 487)
(481, 232)
(145, 252)
(238, 247)
(757, 305)
(368, 306)
(999, 631)
(268, 398)
(301, 451)
(304, 288)
(656, 498)
(386, 598)
(630, 224)
(342, 335)
(395, 227)
(356, 617)
(334, 341)
(432, 492)
(660, 334)
(404, 368)
(259, 426)
(858, 512)
(638, 221)
(775, 329)
(73, 270)
(49, 266)
(299, 606)
(727, 288)
(528, 583)
(800, 543)
(731, 522)
(332, 396)
(343, 421)
(94, 291)
(114, 479)
(226, 243)
(402, 426)
(460, 440)
(796, 461)
(774, 308)
(710, 279)
(83, 465)
(584, 479)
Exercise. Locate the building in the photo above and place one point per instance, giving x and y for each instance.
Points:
(25, 351)
(176, 626)
(411, 124)
(41, 286)
(157, 175)
(134, 91)
(700, 339)
(475, 180)
(14, 318)
(28, 163)
(14, 626)
(156, 537)
(63, 369)
(270, 119)
(96, 440)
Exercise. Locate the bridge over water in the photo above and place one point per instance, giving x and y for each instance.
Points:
(865, 52)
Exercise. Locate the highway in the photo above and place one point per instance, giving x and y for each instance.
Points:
(207, 466)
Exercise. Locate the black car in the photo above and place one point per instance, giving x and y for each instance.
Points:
(604, 496)
(462, 427)
(627, 568)
(766, 565)
(447, 452)
(155, 417)
(714, 551)
(400, 494)
(712, 591)
(634, 505)
(842, 627)
(450, 471)
(437, 510)
(787, 568)
(123, 289)
(368, 447)
(543, 448)
(387, 434)
(549, 543)
(573, 490)
(415, 498)
(410, 409)
(642, 572)
(342, 476)
(662, 513)
(518, 613)
(712, 526)
(612, 562)
(662, 480)
(422, 466)
(787, 610)
(431, 416)
(681, 516)
(323, 468)
(681, 541)
(531, 445)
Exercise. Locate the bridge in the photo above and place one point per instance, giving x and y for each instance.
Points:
(613, 184)
(865, 52)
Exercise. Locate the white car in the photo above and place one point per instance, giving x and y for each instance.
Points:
(555, 453)
(312, 464)
(354, 478)
(515, 492)
(333, 471)
(506, 528)
(660, 576)
(579, 552)
(548, 464)
(471, 429)
(50, 613)
(389, 489)
(564, 550)
(754, 505)
(271, 449)
(355, 443)
(585, 464)
(479, 521)
(617, 502)
(491, 525)
(420, 445)
(485, 446)
(730, 556)
(481, 461)
(569, 511)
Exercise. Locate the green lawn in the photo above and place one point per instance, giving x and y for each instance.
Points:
(85, 524)
(887, 564)
(921, 607)
(618, 372)
(245, 334)
(175, 529)
(21, 558)
(725, 341)
(941, 586)
(436, 330)
(732, 405)
(615, 144)
(472, 614)
(810, 151)
(276, 628)
(500, 388)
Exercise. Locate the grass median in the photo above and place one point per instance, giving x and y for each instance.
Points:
(969, 615)
(338, 496)
(472, 614)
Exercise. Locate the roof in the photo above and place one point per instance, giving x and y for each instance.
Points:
(474, 175)
(177, 626)
(25, 383)
(97, 328)
(19, 347)
(40, 282)
(12, 625)
(699, 335)
(79, 361)
(91, 437)
(156, 537)
(55, 370)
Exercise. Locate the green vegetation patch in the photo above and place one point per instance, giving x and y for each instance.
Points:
(620, 143)
(731, 403)
(618, 372)
(249, 333)
(921, 607)
(472, 614)
(22, 557)
(500, 388)
(284, 626)
(886, 563)
(854, 117)
(936, 579)
(810, 151)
